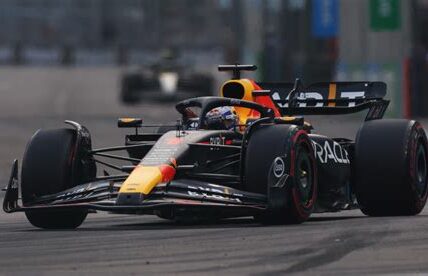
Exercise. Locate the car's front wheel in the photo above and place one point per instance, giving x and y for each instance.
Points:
(279, 162)
(47, 169)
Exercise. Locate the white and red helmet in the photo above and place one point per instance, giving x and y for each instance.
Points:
(223, 117)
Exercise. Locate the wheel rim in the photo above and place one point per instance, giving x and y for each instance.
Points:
(421, 170)
(304, 179)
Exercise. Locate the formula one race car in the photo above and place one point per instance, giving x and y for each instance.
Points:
(165, 80)
(268, 164)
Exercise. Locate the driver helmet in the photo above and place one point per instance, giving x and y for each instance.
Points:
(223, 117)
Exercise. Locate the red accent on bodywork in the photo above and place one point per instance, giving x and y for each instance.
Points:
(173, 141)
(168, 172)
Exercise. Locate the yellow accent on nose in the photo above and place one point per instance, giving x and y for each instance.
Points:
(142, 180)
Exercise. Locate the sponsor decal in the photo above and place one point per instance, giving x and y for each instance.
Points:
(79, 193)
(213, 193)
(217, 140)
(278, 167)
(330, 151)
(354, 95)
(193, 126)
(71, 193)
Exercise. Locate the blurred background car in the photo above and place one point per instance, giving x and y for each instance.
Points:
(168, 79)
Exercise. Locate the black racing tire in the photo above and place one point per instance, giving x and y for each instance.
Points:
(130, 86)
(46, 169)
(265, 145)
(391, 167)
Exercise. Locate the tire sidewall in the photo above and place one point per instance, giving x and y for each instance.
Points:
(417, 139)
(284, 201)
(302, 145)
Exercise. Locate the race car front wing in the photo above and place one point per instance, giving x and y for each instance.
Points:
(178, 196)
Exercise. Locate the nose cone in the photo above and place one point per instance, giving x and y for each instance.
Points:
(141, 182)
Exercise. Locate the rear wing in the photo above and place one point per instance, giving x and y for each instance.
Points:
(325, 98)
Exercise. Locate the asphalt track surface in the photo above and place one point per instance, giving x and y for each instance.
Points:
(334, 243)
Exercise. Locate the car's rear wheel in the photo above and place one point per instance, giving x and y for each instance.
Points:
(391, 168)
(280, 163)
(47, 169)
